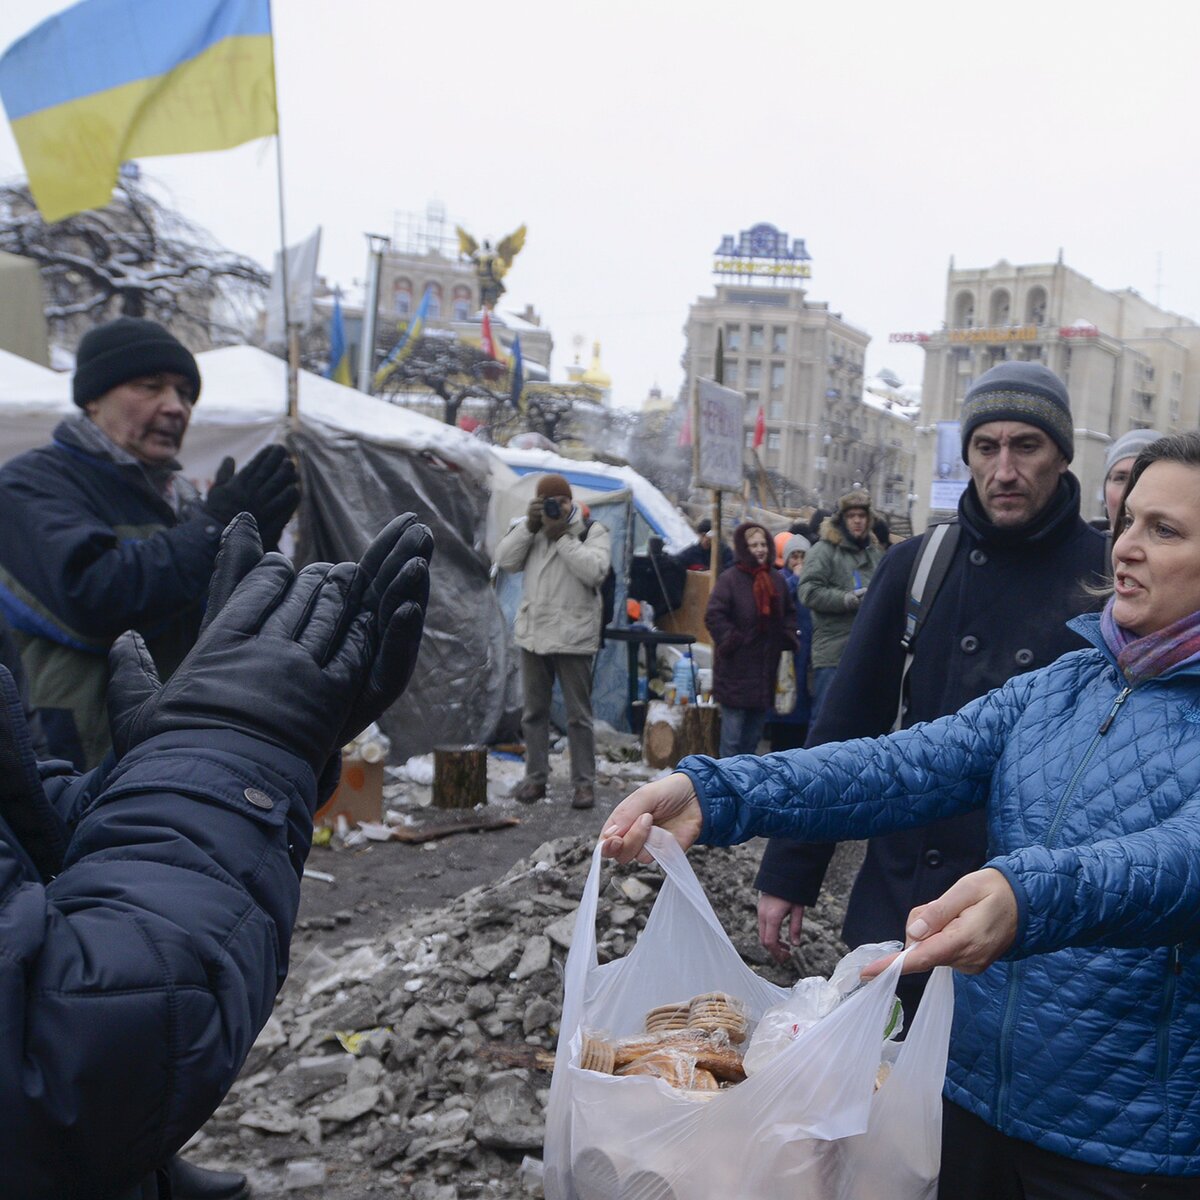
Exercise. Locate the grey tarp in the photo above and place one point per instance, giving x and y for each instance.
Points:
(466, 686)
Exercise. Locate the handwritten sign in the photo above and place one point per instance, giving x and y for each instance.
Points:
(720, 436)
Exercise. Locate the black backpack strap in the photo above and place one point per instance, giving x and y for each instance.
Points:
(928, 573)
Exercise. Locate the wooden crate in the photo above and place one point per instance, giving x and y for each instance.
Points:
(689, 616)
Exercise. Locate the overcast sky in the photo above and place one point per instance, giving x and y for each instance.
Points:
(629, 136)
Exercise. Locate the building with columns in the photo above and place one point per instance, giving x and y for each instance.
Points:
(802, 363)
(1127, 364)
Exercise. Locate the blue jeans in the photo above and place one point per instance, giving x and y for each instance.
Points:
(741, 729)
(822, 678)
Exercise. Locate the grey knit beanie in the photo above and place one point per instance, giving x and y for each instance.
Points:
(1129, 445)
(1020, 391)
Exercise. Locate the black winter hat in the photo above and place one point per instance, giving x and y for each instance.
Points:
(125, 349)
(1020, 391)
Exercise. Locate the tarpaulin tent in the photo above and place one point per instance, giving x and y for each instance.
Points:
(363, 461)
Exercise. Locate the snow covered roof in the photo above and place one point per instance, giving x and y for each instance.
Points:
(25, 384)
(243, 384)
(902, 402)
(660, 514)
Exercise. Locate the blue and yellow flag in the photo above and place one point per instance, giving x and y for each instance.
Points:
(404, 347)
(339, 354)
(110, 80)
(518, 374)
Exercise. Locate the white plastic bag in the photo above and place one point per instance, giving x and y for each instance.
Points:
(808, 1124)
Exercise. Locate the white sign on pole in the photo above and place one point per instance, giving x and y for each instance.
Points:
(950, 473)
(720, 437)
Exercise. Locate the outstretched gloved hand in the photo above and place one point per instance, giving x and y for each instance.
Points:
(267, 487)
(302, 661)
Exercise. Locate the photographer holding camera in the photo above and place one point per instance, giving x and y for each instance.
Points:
(564, 561)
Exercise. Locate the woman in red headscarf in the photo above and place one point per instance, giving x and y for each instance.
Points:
(752, 618)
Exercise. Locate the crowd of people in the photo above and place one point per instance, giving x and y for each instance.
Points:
(1010, 724)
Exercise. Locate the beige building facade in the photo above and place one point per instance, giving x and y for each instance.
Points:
(803, 364)
(1127, 364)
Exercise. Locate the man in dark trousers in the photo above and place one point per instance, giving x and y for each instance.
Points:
(100, 532)
(1018, 571)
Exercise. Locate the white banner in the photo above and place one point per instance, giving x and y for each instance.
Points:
(302, 279)
(720, 437)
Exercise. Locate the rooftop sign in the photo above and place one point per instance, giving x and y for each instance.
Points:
(762, 251)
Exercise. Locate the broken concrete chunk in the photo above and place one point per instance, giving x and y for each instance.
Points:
(534, 958)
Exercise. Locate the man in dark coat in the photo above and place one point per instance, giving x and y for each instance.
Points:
(752, 619)
(146, 909)
(698, 556)
(100, 532)
(1018, 573)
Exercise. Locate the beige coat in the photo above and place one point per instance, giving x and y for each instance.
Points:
(560, 608)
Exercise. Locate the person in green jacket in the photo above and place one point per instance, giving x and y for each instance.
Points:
(834, 581)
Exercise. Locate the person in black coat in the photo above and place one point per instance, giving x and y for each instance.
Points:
(100, 532)
(146, 908)
(1023, 558)
(698, 556)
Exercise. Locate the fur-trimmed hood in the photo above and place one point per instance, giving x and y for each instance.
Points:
(833, 530)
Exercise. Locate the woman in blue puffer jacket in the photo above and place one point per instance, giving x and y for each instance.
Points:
(1075, 1055)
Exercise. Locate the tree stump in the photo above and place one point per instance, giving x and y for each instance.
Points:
(661, 735)
(701, 732)
(459, 776)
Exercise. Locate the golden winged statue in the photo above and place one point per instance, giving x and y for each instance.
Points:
(490, 265)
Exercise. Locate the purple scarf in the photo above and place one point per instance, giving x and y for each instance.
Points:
(1142, 658)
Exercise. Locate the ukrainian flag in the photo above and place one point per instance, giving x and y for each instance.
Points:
(339, 353)
(404, 347)
(110, 80)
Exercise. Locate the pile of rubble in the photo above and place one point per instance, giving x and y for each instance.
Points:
(418, 1064)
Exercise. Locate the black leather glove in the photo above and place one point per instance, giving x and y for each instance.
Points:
(267, 487)
(303, 662)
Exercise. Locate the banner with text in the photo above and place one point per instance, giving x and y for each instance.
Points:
(720, 436)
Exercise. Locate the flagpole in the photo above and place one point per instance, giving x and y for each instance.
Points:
(292, 336)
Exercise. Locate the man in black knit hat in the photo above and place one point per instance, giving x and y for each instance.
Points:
(101, 532)
(1021, 557)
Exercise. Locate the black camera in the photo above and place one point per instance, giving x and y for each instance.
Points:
(551, 508)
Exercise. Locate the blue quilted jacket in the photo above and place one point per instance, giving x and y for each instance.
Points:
(1085, 1039)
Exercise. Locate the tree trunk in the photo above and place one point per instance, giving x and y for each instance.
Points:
(701, 732)
(459, 776)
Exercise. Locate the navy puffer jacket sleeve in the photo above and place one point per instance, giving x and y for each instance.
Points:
(858, 789)
(133, 984)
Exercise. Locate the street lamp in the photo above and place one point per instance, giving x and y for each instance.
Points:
(377, 243)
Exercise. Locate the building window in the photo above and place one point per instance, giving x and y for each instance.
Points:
(1035, 306)
(774, 441)
(778, 340)
(776, 410)
(462, 302)
(434, 311)
(402, 297)
(964, 310)
(753, 374)
(731, 368)
(733, 339)
(778, 373)
(749, 439)
(999, 307)
(756, 337)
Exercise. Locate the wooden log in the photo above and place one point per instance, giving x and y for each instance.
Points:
(459, 776)
(660, 737)
(701, 732)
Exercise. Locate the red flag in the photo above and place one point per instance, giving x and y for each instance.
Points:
(486, 342)
(685, 430)
(760, 428)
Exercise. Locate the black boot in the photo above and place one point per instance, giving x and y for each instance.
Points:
(189, 1182)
